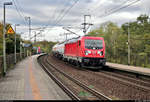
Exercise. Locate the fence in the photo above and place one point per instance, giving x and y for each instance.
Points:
(135, 60)
(10, 61)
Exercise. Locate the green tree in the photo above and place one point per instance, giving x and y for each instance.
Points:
(116, 39)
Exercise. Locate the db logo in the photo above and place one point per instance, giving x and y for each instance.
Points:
(94, 52)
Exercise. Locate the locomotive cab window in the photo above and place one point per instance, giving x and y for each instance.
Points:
(93, 44)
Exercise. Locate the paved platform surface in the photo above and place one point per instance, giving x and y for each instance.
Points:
(140, 70)
(28, 81)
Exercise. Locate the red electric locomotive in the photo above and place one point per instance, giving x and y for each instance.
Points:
(84, 51)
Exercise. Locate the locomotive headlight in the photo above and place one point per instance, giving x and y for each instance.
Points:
(99, 52)
(87, 52)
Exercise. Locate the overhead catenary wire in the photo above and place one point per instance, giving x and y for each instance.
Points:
(53, 15)
(118, 9)
(19, 13)
(123, 3)
(21, 9)
(67, 12)
(122, 6)
(61, 13)
(18, 7)
(110, 10)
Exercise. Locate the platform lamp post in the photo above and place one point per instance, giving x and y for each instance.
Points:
(15, 42)
(4, 43)
(128, 44)
(29, 19)
(21, 46)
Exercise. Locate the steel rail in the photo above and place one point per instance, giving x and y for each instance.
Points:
(93, 91)
(61, 85)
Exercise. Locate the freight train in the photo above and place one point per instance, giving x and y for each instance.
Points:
(82, 51)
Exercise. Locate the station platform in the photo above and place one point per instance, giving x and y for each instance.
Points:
(28, 81)
(139, 70)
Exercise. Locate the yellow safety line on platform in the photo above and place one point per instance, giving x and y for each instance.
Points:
(35, 89)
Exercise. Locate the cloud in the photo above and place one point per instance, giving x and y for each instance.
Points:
(145, 6)
(47, 12)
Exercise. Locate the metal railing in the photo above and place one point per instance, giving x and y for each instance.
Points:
(135, 60)
(10, 61)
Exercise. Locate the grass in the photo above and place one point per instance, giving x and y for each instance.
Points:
(83, 94)
(91, 87)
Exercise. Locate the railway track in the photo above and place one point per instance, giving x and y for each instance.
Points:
(139, 85)
(124, 78)
(143, 83)
(58, 76)
(115, 85)
(62, 86)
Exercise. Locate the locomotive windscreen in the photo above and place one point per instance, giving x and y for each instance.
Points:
(93, 44)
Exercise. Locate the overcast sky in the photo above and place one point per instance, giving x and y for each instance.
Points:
(55, 14)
